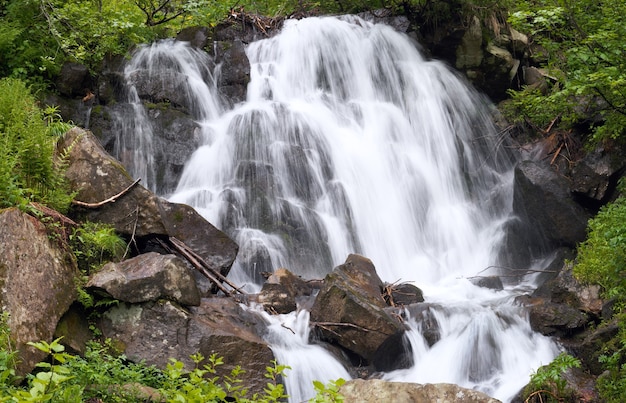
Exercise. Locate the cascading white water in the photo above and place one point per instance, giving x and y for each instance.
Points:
(350, 141)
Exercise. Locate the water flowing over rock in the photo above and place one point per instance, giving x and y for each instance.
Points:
(37, 277)
(375, 390)
(148, 277)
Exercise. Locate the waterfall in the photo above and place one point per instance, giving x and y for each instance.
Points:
(350, 141)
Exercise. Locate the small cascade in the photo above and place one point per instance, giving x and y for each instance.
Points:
(288, 336)
(184, 79)
(350, 141)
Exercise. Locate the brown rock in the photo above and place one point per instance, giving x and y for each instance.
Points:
(148, 277)
(37, 278)
(350, 308)
(376, 390)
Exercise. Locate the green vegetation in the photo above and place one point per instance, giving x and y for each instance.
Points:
(602, 260)
(580, 46)
(27, 169)
(102, 374)
(547, 384)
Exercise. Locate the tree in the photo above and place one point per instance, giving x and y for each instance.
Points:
(583, 48)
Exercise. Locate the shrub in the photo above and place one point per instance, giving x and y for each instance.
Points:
(27, 169)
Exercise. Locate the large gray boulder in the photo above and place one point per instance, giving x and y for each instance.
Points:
(37, 277)
(154, 332)
(138, 213)
(376, 390)
(148, 277)
(350, 310)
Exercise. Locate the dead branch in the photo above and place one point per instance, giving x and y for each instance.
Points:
(325, 324)
(111, 199)
(198, 262)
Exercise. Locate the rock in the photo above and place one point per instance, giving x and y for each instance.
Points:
(469, 53)
(541, 197)
(37, 277)
(283, 291)
(198, 37)
(74, 80)
(352, 308)
(491, 282)
(233, 73)
(595, 176)
(73, 327)
(148, 277)
(395, 353)
(97, 176)
(598, 341)
(565, 289)
(376, 390)
(154, 332)
(558, 320)
(402, 294)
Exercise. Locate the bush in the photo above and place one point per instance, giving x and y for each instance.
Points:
(27, 169)
(602, 256)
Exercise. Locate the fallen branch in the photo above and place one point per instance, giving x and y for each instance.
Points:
(324, 324)
(198, 262)
(111, 199)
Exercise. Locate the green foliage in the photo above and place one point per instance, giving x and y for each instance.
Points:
(28, 171)
(547, 384)
(104, 374)
(583, 49)
(612, 383)
(50, 382)
(328, 393)
(94, 244)
(602, 256)
(8, 354)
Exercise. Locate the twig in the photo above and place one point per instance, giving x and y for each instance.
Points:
(111, 199)
(324, 324)
(132, 236)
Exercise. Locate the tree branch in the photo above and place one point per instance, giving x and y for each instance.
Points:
(111, 199)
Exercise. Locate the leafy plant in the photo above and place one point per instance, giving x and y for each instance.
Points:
(328, 393)
(547, 384)
(602, 256)
(94, 244)
(583, 49)
(48, 384)
(28, 171)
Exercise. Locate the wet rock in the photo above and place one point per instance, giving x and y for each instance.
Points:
(491, 282)
(394, 353)
(402, 294)
(148, 277)
(565, 289)
(37, 277)
(351, 310)
(558, 320)
(97, 176)
(376, 390)
(284, 291)
(233, 73)
(542, 198)
(154, 332)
